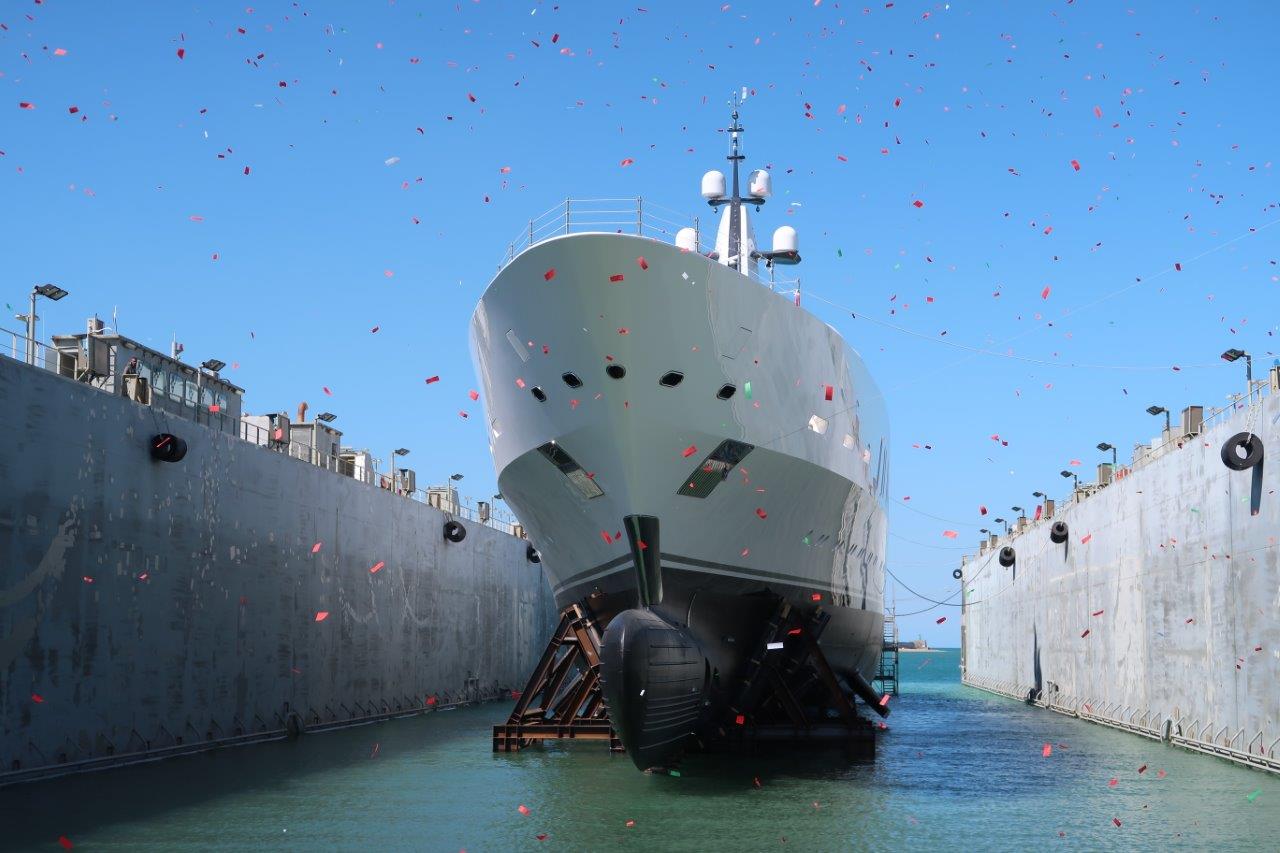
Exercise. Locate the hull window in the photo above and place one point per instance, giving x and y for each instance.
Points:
(578, 478)
(726, 392)
(616, 371)
(538, 394)
(671, 379)
(571, 379)
(715, 469)
(516, 345)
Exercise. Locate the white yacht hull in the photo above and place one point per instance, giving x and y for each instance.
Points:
(798, 517)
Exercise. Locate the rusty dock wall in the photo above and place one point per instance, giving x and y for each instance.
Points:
(1160, 614)
(149, 609)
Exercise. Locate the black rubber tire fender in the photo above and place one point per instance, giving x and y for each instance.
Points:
(454, 532)
(531, 554)
(166, 447)
(1058, 533)
(1008, 556)
(1249, 443)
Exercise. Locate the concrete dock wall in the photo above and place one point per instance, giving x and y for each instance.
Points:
(149, 608)
(1161, 612)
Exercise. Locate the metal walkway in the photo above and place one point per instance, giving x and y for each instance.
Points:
(887, 676)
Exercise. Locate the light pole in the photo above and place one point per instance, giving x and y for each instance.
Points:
(49, 291)
(399, 451)
(1161, 410)
(1235, 355)
(1073, 475)
(1006, 525)
(1104, 447)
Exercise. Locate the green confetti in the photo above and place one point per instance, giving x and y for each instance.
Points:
(675, 773)
(839, 253)
(746, 386)
(1254, 795)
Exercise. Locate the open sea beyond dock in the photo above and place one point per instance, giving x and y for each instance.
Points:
(958, 769)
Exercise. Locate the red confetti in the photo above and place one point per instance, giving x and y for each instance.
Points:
(374, 330)
(760, 512)
(627, 162)
(471, 97)
(1044, 294)
(1142, 769)
(541, 836)
(474, 395)
(1116, 821)
(549, 274)
(1085, 634)
(828, 393)
(755, 780)
(326, 390)
(950, 534)
(884, 701)
(37, 698)
(740, 720)
(322, 615)
(65, 842)
(642, 263)
(73, 110)
(1047, 751)
(917, 203)
(182, 53)
(431, 379)
(1075, 164)
(376, 566)
(519, 383)
(1113, 783)
(982, 510)
(1097, 111)
(689, 451)
(1178, 267)
(941, 619)
(817, 596)
(315, 549)
(26, 105)
(794, 632)
(604, 534)
(631, 823)
(1084, 540)
(616, 278)
(1097, 613)
(523, 809)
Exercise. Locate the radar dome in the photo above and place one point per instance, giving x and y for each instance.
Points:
(760, 184)
(713, 185)
(785, 239)
(687, 240)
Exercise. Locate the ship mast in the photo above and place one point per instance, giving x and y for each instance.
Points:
(735, 201)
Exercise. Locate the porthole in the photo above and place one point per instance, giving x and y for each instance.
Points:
(571, 379)
(615, 371)
(671, 379)
(538, 394)
(726, 391)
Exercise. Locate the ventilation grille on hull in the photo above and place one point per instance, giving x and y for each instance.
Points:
(572, 471)
(715, 469)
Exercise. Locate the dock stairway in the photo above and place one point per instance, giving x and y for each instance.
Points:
(887, 676)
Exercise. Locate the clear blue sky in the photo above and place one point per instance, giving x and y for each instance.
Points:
(978, 110)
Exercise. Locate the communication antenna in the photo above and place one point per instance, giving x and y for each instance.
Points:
(736, 200)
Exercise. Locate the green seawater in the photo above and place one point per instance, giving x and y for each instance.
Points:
(958, 769)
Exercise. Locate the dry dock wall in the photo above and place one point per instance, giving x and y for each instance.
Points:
(149, 608)
(1178, 588)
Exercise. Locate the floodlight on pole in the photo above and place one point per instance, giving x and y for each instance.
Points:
(1160, 410)
(213, 365)
(49, 291)
(1237, 354)
(1066, 473)
(1104, 447)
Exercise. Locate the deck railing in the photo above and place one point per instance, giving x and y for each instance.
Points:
(634, 216)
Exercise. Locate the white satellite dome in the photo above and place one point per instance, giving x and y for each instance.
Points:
(687, 240)
(785, 239)
(760, 184)
(713, 185)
